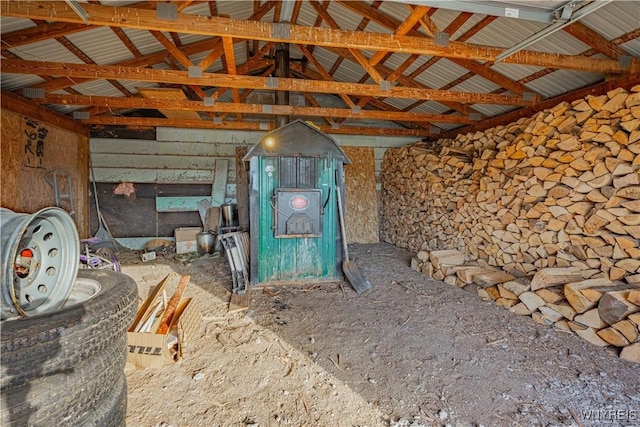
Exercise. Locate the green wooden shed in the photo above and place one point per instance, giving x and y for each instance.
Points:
(294, 229)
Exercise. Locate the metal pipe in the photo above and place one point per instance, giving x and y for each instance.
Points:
(576, 16)
(282, 70)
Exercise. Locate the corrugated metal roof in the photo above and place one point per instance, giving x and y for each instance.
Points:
(441, 73)
(44, 51)
(615, 19)
(101, 45)
(562, 81)
(104, 47)
(143, 41)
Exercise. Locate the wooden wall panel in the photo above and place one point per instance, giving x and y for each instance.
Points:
(361, 196)
(135, 215)
(32, 147)
(156, 169)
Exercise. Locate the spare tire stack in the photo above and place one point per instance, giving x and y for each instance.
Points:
(65, 366)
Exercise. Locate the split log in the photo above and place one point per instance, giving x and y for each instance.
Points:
(564, 309)
(613, 337)
(466, 274)
(634, 296)
(517, 286)
(591, 318)
(588, 334)
(628, 329)
(531, 300)
(491, 278)
(635, 318)
(631, 353)
(573, 292)
(551, 295)
(520, 309)
(446, 257)
(613, 306)
(506, 302)
(555, 276)
(550, 314)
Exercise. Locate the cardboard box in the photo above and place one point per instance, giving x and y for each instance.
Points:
(151, 350)
(186, 240)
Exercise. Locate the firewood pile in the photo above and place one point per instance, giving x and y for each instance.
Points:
(552, 200)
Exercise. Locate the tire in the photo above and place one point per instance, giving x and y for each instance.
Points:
(58, 367)
(112, 410)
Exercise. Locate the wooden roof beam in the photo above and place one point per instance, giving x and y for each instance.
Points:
(398, 72)
(484, 71)
(248, 82)
(216, 26)
(414, 17)
(325, 75)
(179, 56)
(241, 108)
(230, 57)
(314, 103)
(247, 92)
(312, 75)
(250, 126)
(594, 40)
(18, 104)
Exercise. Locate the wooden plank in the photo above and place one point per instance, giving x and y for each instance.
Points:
(146, 307)
(242, 188)
(145, 161)
(166, 176)
(215, 148)
(361, 207)
(239, 302)
(178, 204)
(219, 186)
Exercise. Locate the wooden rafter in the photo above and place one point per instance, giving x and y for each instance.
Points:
(181, 123)
(238, 107)
(247, 92)
(217, 26)
(595, 40)
(484, 71)
(179, 56)
(216, 79)
(309, 74)
(230, 57)
(414, 17)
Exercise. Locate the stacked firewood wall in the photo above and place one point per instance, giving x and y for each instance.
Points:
(557, 191)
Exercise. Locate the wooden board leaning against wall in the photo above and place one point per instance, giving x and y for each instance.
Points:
(31, 147)
(361, 198)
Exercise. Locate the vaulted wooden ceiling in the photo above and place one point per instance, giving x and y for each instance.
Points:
(427, 69)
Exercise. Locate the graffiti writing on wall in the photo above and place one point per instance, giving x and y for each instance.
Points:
(34, 137)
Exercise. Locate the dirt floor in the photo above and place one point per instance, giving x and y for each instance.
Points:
(410, 352)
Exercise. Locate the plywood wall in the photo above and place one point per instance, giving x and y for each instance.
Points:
(361, 196)
(32, 147)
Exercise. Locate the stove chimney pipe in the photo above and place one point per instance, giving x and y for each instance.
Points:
(282, 70)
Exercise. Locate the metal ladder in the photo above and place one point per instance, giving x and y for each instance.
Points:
(60, 180)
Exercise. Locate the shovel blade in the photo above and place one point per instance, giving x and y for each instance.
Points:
(355, 276)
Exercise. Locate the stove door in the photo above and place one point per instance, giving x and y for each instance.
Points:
(297, 212)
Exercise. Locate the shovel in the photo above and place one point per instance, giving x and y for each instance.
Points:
(350, 268)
